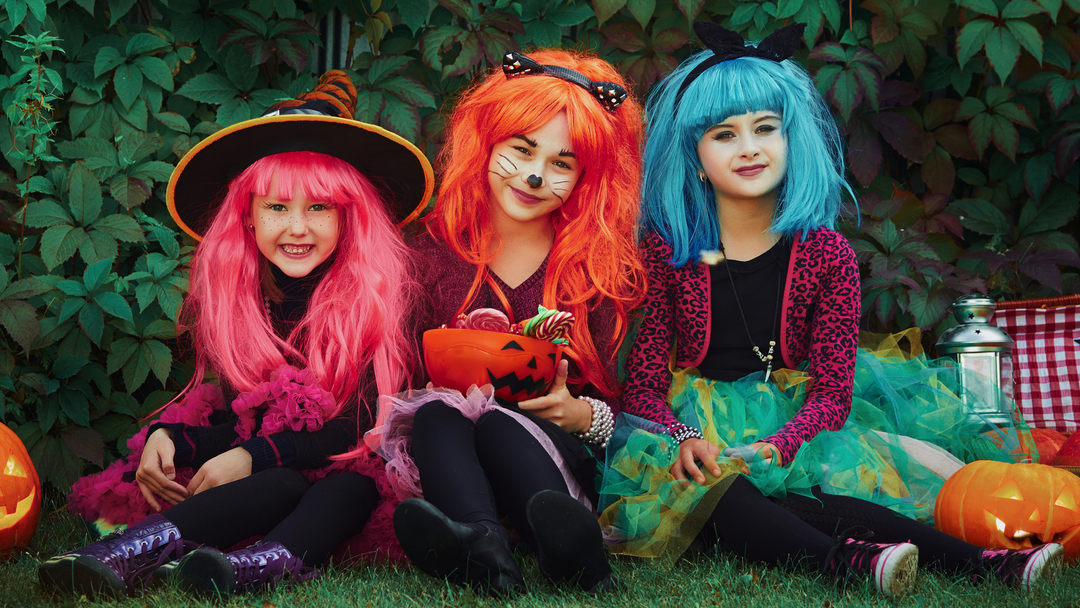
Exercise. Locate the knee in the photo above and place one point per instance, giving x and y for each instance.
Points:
(288, 482)
(353, 488)
(435, 414)
(493, 424)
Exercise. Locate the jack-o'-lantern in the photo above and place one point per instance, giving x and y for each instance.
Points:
(517, 367)
(20, 493)
(1011, 506)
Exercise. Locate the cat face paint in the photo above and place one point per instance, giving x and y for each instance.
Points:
(532, 174)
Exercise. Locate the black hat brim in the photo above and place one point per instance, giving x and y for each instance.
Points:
(396, 167)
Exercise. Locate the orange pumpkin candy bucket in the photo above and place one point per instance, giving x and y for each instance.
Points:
(518, 367)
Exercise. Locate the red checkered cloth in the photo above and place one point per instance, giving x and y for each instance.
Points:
(1046, 359)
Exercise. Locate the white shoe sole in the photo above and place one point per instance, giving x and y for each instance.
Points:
(895, 569)
(1043, 562)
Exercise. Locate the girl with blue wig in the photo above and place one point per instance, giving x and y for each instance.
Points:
(773, 435)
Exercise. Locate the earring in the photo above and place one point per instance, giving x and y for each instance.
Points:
(701, 175)
(535, 181)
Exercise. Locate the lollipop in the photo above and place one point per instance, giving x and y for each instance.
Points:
(458, 322)
(487, 319)
(549, 325)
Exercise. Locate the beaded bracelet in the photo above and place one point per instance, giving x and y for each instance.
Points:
(603, 423)
(683, 432)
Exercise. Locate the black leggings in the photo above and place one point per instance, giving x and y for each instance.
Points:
(476, 472)
(776, 531)
(310, 520)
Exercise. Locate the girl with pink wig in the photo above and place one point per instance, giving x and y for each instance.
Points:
(300, 289)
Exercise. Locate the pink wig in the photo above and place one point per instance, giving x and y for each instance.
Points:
(357, 314)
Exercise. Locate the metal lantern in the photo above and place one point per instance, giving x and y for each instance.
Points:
(984, 353)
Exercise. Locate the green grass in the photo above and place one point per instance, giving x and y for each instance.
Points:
(702, 580)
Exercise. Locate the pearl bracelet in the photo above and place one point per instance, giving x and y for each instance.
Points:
(603, 423)
(683, 432)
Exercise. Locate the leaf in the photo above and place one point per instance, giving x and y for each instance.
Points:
(642, 10)
(121, 227)
(606, 9)
(787, 8)
(1018, 9)
(115, 305)
(238, 69)
(569, 15)
(233, 111)
(1016, 114)
(864, 153)
(107, 58)
(92, 322)
(385, 66)
(143, 43)
(938, 171)
(72, 288)
(129, 192)
(689, 8)
(127, 80)
(625, 36)
(402, 118)
(466, 59)
(88, 147)
(972, 39)
(86, 444)
(1002, 50)
(95, 274)
(986, 7)
(293, 54)
(24, 288)
(156, 71)
(74, 404)
(121, 350)
(1005, 136)
(898, 131)
(20, 320)
(209, 88)
(1060, 91)
(84, 195)
(1038, 171)
(160, 359)
(59, 243)
(173, 121)
(411, 91)
(414, 14)
(66, 366)
(98, 246)
(45, 214)
(1055, 211)
(980, 216)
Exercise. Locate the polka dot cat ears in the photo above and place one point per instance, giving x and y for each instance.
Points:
(609, 94)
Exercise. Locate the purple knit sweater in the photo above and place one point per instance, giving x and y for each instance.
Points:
(447, 278)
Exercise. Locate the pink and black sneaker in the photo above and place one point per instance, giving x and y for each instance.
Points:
(891, 566)
(1022, 568)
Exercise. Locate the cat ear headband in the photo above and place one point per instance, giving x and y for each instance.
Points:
(726, 44)
(609, 94)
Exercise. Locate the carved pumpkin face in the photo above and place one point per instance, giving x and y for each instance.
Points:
(1011, 506)
(519, 368)
(20, 492)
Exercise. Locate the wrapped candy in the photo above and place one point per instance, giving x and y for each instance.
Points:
(549, 324)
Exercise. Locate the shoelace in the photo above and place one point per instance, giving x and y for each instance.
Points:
(838, 553)
(266, 567)
(134, 566)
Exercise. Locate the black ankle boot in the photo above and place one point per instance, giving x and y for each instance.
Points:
(208, 572)
(569, 541)
(462, 554)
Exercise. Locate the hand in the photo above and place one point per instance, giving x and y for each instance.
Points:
(758, 456)
(221, 469)
(559, 406)
(156, 473)
(691, 452)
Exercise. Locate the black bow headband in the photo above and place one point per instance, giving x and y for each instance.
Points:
(609, 94)
(726, 44)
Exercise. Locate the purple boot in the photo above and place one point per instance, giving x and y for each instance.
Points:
(209, 572)
(118, 564)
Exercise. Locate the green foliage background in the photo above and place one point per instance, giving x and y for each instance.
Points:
(962, 130)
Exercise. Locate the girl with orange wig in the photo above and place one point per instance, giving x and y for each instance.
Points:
(538, 207)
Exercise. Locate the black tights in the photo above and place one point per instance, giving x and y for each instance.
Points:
(310, 520)
(475, 472)
(775, 531)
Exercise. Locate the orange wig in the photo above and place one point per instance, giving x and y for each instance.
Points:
(595, 253)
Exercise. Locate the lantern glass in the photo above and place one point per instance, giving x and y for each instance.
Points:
(980, 376)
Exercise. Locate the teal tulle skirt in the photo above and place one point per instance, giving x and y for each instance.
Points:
(907, 432)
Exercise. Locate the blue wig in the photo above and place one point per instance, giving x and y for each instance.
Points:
(680, 208)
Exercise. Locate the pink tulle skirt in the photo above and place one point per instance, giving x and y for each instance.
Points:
(293, 401)
(394, 437)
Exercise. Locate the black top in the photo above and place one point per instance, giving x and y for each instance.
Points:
(297, 449)
(759, 284)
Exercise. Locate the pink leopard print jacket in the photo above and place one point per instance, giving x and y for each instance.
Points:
(819, 323)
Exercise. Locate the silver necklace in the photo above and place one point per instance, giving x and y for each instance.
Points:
(767, 358)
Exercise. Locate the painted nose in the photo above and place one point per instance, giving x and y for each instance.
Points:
(535, 181)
